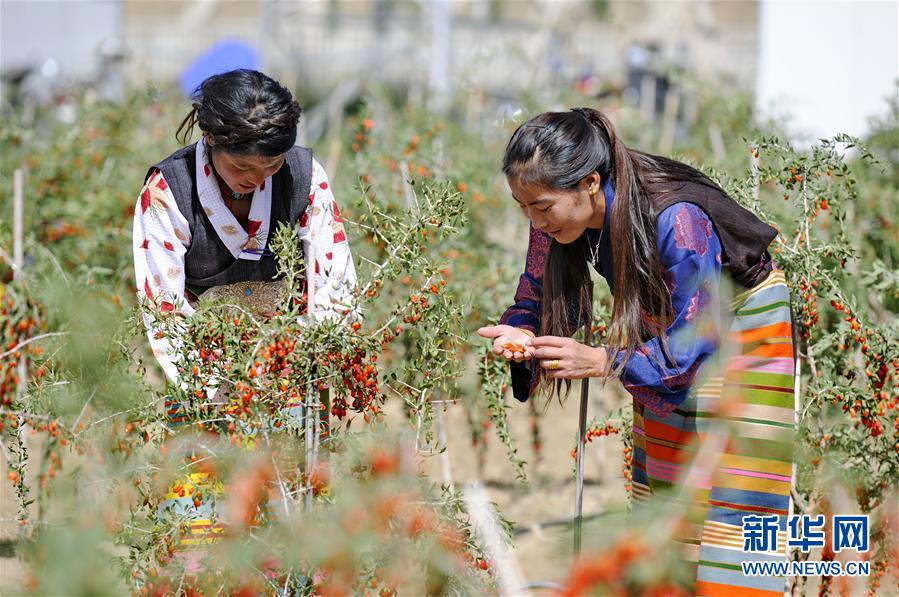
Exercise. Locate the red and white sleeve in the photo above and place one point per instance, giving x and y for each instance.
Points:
(329, 263)
(161, 237)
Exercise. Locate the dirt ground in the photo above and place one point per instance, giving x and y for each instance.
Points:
(542, 546)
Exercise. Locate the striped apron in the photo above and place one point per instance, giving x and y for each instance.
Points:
(727, 451)
(196, 500)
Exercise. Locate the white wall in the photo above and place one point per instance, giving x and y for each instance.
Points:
(70, 32)
(827, 65)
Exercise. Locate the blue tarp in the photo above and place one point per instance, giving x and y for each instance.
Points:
(223, 56)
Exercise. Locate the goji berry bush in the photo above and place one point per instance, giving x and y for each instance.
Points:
(90, 449)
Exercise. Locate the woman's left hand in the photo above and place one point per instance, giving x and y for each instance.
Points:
(564, 358)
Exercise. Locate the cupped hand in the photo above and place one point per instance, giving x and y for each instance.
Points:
(508, 341)
(565, 358)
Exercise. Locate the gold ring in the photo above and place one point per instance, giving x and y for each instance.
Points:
(552, 365)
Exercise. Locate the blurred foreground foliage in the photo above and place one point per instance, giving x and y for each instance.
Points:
(438, 245)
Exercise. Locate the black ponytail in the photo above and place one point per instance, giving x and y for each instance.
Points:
(558, 150)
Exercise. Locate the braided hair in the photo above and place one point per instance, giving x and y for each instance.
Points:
(243, 112)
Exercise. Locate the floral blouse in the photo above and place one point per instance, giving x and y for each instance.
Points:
(690, 252)
(161, 237)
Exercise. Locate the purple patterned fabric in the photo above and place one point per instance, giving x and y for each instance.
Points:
(699, 302)
(690, 251)
(691, 232)
(525, 313)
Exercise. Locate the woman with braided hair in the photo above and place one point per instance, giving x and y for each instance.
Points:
(713, 423)
(207, 213)
(203, 225)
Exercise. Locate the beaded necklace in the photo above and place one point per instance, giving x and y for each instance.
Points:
(226, 191)
(229, 194)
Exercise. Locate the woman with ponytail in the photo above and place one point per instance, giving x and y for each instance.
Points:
(666, 239)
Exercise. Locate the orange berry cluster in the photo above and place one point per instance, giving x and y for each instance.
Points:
(319, 479)
(16, 330)
(514, 347)
(809, 293)
(55, 432)
(362, 138)
(609, 570)
(793, 178)
(878, 371)
(600, 430)
(478, 563)
(597, 431)
(420, 169)
(418, 305)
(373, 291)
(65, 229)
(820, 204)
(360, 378)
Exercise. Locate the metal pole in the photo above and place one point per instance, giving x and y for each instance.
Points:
(310, 405)
(311, 419)
(579, 466)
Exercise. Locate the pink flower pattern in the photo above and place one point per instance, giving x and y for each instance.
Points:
(698, 303)
(691, 233)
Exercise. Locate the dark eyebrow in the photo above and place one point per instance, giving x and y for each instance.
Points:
(540, 200)
(242, 164)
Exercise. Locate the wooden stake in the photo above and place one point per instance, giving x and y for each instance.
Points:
(311, 415)
(335, 123)
(18, 253)
(669, 120)
(506, 570)
(647, 107)
(18, 250)
(18, 256)
(716, 139)
(755, 164)
(408, 191)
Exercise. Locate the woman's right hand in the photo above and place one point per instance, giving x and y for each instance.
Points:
(510, 342)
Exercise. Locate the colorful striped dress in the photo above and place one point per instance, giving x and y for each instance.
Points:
(746, 415)
(733, 405)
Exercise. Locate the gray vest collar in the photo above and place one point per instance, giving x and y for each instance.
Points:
(208, 262)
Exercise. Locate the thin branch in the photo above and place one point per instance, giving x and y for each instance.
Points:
(20, 345)
(84, 409)
(4, 411)
(9, 260)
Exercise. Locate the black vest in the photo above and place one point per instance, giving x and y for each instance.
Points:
(208, 262)
(744, 238)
